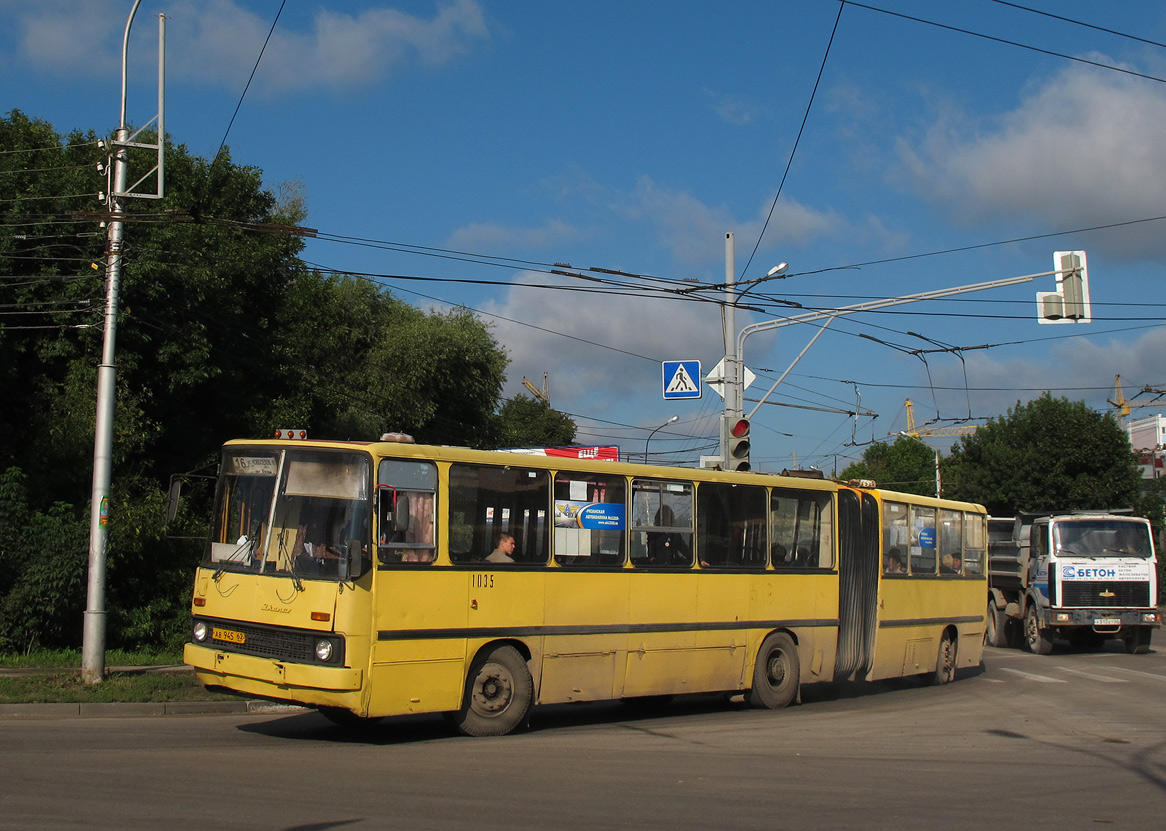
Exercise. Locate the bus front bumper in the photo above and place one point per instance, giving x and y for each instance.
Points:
(217, 667)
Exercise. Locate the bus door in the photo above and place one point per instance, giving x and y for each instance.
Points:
(858, 574)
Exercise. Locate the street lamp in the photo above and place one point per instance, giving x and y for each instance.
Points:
(661, 427)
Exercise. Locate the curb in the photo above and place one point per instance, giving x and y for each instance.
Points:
(156, 708)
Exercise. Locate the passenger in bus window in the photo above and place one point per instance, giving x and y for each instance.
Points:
(949, 564)
(504, 551)
(895, 562)
(666, 548)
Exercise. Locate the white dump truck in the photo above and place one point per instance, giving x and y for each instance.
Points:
(1084, 577)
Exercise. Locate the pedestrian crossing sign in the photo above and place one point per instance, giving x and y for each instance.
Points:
(681, 379)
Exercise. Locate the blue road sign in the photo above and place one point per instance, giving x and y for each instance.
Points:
(681, 379)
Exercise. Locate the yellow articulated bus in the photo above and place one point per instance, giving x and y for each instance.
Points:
(371, 579)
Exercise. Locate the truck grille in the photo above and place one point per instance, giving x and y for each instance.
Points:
(1097, 594)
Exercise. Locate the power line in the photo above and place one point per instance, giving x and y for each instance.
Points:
(254, 69)
(1006, 42)
(797, 140)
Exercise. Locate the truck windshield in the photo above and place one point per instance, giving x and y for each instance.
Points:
(289, 511)
(1102, 538)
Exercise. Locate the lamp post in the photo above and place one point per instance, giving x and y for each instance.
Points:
(661, 427)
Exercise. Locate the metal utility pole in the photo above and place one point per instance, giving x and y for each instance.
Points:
(93, 639)
(733, 385)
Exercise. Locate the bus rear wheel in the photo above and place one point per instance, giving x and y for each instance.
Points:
(777, 673)
(498, 694)
(945, 662)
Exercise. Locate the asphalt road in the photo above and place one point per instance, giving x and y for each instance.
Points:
(1068, 741)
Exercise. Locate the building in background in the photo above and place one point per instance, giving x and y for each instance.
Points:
(1148, 438)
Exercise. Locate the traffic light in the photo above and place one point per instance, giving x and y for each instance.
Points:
(739, 445)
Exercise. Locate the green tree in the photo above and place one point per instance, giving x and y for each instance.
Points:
(527, 422)
(223, 332)
(906, 465)
(1047, 454)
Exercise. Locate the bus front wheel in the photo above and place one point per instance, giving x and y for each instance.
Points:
(498, 694)
(777, 673)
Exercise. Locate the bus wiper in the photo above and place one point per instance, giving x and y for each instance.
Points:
(244, 545)
(291, 563)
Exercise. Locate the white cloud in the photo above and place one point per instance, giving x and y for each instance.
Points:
(735, 109)
(600, 350)
(489, 236)
(1084, 148)
(218, 41)
(685, 225)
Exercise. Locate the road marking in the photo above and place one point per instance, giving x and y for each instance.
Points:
(1104, 678)
(1043, 679)
(1153, 675)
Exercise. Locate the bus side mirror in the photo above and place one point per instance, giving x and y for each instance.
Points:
(173, 499)
(352, 566)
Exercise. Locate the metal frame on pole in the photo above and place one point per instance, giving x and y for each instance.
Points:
(93, 638)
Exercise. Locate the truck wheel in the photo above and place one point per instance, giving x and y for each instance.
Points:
(995, 633)
(1137, 640)
(1037, 640)
(777, 673)
(945, 662)
(498, 694)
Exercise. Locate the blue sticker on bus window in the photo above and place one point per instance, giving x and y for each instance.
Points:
(598, 516)
(927, 537)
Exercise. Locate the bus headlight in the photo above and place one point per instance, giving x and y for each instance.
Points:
(1150, 617)
(200, 631)
(324, 649)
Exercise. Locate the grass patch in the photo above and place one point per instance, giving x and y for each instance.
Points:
(67, 687)
(71, 658)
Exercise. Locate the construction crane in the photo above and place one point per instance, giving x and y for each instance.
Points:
(923, 432)
(1123, 407)
(543, 395)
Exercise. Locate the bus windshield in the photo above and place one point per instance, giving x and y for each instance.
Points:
(1102, 538)
(290, 511)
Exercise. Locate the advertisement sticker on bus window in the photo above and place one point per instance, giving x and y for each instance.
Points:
(253, 465)
(927, 537)
(590, 515)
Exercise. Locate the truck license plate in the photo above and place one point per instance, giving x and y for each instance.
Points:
(1107, 621)
(228, 635)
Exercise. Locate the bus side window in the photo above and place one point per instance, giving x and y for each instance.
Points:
(590, 520)
(486, 501)
(801, 529)
(974, 543)
(661, 524)
(731, 525)
(923, 541)
(406, 505)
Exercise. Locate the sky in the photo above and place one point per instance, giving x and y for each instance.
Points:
(507, 156)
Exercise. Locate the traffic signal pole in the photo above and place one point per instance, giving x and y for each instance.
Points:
(733, 415)
(733, 381)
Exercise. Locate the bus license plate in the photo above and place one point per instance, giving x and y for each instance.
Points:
(1107, 621)
(228, 635)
